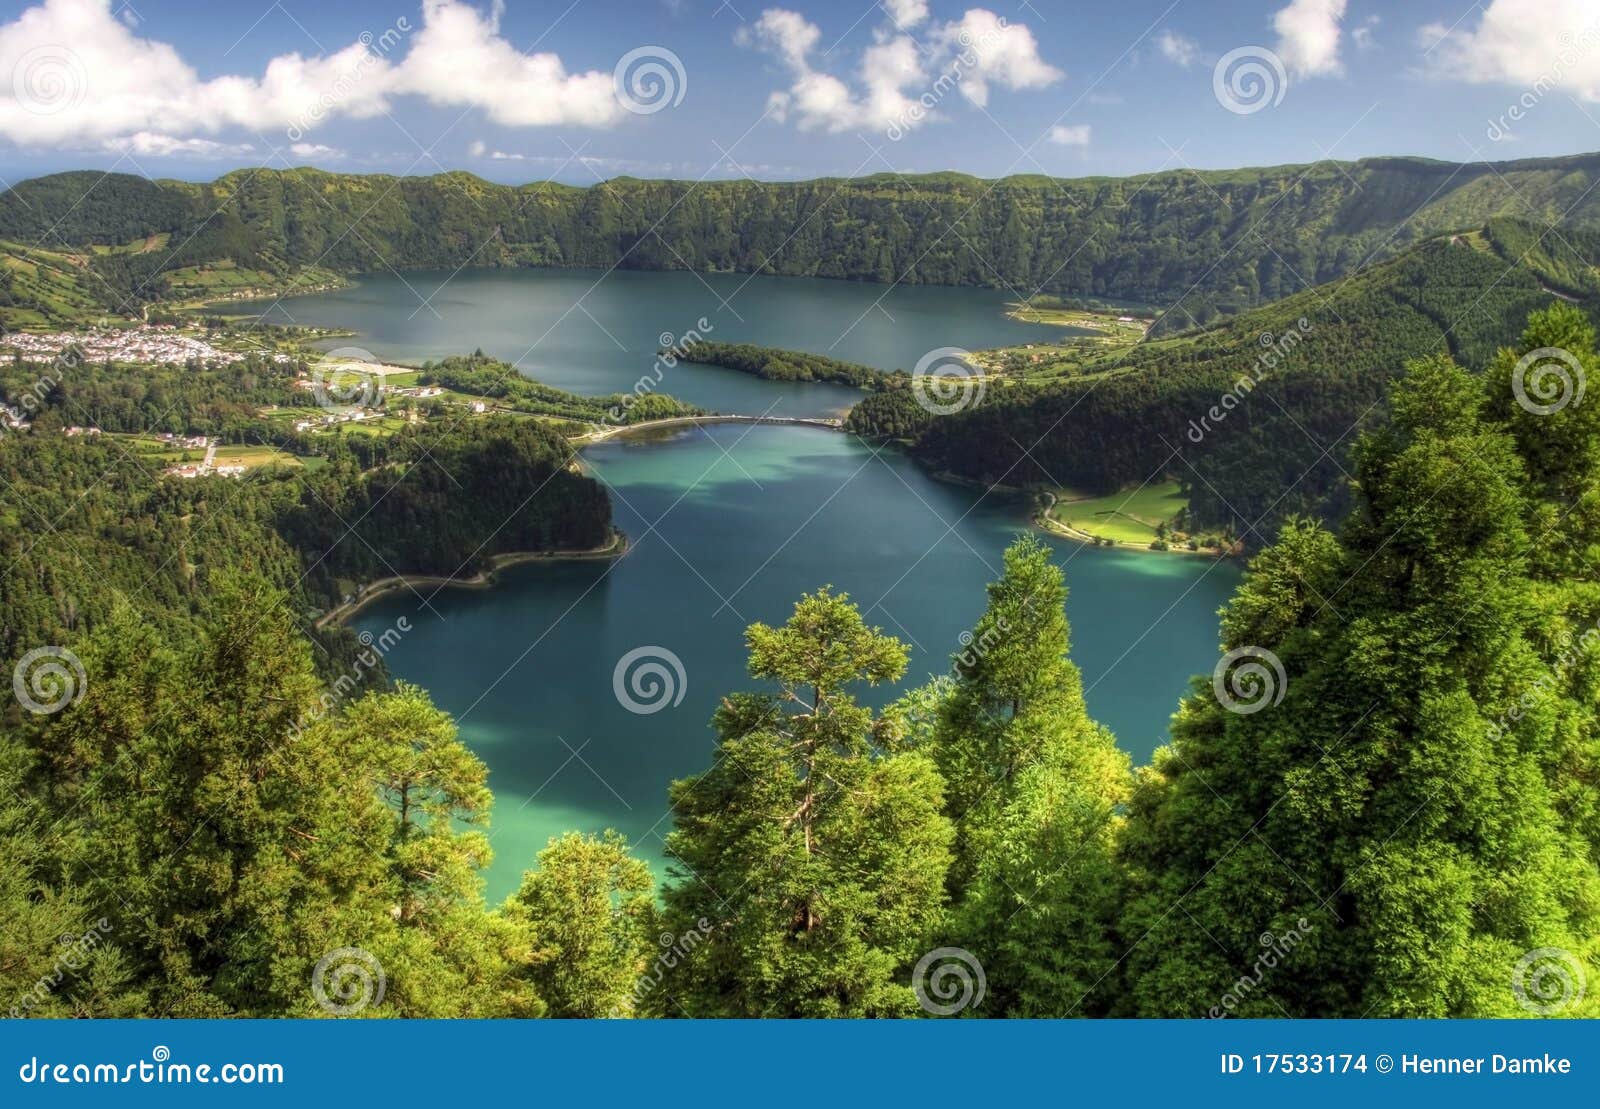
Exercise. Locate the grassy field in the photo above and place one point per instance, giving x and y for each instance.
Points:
(1111, 325)
(46, 288)
(254, 456)
(1131, 516)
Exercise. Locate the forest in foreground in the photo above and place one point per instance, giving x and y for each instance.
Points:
(1385, 811)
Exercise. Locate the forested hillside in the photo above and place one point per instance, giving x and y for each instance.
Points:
(1219, 241)
(1396, 818)
(1315, 369)
(85, 525)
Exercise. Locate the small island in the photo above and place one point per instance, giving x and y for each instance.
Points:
(772, 364)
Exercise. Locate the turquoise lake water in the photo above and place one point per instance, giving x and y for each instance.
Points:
(730, 524)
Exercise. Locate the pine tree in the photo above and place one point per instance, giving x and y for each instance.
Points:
(588, 924)
(1034, 786)
(1366, 838)
(817, 856)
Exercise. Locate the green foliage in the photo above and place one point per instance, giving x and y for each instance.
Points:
(482, 376)
(1401, 814)
(1259, 409)
(1233, 239)
(817, 855)
(588, 926)
(1033, 788)
(780, 365)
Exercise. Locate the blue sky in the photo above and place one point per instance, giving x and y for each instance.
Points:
(795, 88)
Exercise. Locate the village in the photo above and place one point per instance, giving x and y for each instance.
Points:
(147, 343)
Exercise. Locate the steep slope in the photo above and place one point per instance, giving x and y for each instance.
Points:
(1253, 416)
(1221, 241)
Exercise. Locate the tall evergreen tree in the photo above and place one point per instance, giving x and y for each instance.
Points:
(1034, 786)
(588, 924)
(817, 856)
(1366, 838)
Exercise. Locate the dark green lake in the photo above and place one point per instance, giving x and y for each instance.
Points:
(593, 332)
(730, 524)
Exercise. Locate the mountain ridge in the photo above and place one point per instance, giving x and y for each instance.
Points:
(1209, 242)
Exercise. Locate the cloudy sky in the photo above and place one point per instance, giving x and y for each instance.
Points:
(580, 90)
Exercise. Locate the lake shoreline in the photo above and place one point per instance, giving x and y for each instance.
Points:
(1040, 519)
(485, 579)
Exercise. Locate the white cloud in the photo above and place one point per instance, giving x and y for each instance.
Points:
(897, 85)
(1363, 35)
(73, 74)
(1537, 43)
(906, 13)
(1076, 135)
(80, 75)
(818, 101)
(150, 144)
(1007, 54)
(314, 150)
(1177, 49)
(458, 58)
(1308, 36)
